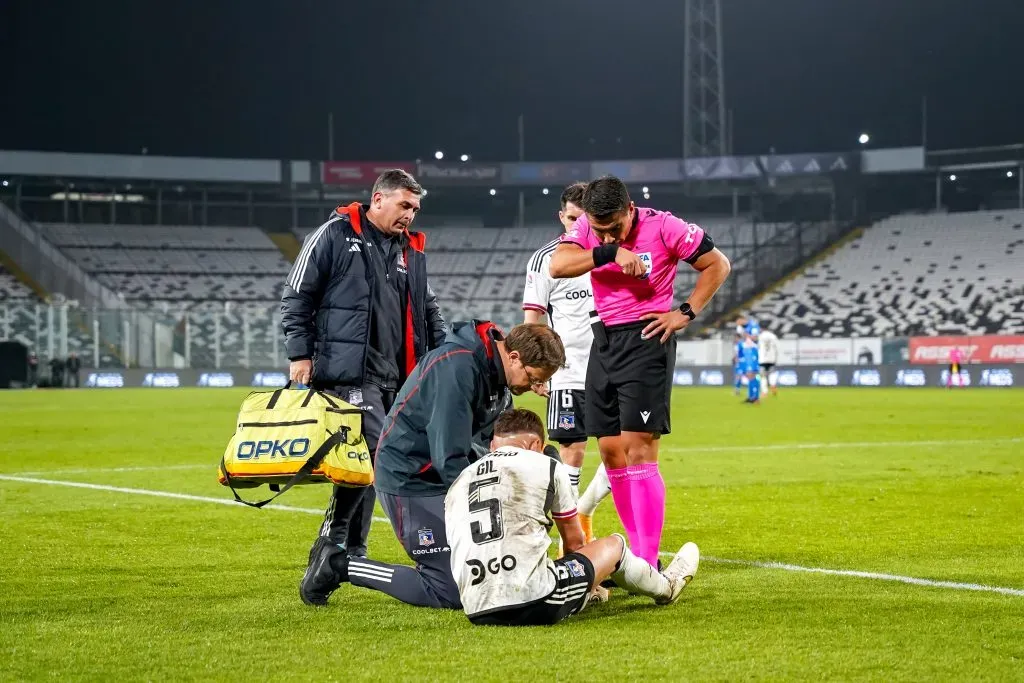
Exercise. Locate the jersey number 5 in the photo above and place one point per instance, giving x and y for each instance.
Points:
(492, 506)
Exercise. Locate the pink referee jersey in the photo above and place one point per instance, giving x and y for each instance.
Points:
(661, 241)
(956, 356)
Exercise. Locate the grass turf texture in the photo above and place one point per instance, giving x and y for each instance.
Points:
(106, 585)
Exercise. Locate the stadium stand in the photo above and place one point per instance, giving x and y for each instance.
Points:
(960, 273)
(13, 289)
(175, 262)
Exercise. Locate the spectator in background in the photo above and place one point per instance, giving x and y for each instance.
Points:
(33, 369)
(358, 314)
(56, 372)
(74, 365)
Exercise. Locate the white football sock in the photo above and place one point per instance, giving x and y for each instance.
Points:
(574, 481)
(596, 491)
(638, 576)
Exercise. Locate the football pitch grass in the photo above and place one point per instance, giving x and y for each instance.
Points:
(109, 582)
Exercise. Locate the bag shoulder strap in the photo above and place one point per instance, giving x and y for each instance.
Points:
(338, 437)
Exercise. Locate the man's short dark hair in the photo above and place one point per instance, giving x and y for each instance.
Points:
(573, 194)
(396, 179)
(538, 345)
(605, 197)
(519, 421)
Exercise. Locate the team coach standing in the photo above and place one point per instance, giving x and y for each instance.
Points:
(358, 314)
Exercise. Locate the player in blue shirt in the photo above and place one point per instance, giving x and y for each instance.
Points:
(738, 370)
(751, 368)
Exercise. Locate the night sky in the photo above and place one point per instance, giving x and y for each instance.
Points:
(254, 78)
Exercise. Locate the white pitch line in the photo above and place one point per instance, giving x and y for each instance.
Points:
(90, 470)
(158, 494)
(953, 585)
(840, 444)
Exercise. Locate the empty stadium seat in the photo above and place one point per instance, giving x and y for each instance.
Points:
(960, 273)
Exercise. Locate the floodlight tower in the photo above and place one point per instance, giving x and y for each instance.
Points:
(704, 125)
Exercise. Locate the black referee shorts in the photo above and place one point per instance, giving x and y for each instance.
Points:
(629, 382)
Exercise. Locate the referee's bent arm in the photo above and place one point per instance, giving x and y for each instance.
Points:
(713, 268)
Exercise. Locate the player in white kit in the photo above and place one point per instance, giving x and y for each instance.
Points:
(768, 354)
(498, 514)
(567, 304)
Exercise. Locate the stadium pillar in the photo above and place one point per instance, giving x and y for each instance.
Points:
(95, 341)
(275, 330)
(246, 336)
(126, 330)
(1020, 186)
(216, 341)
(938, 190)
(49, 332)
(188, 340)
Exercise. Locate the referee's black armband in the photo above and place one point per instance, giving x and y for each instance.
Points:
(605, 254)
(706, 245)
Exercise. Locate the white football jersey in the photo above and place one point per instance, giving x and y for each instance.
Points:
(497, 516)
(768, 347)
(567, 303)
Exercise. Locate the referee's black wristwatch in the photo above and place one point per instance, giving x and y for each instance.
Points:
(687, 310)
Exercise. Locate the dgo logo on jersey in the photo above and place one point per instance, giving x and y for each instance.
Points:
(645, 258)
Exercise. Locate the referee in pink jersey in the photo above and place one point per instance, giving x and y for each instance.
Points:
(631, 254)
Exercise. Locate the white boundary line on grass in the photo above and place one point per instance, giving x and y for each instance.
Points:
(953, 585)
(90, 470)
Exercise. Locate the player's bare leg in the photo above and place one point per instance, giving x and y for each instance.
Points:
(612, 557)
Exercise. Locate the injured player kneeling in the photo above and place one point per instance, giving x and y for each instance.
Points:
(498, 514)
